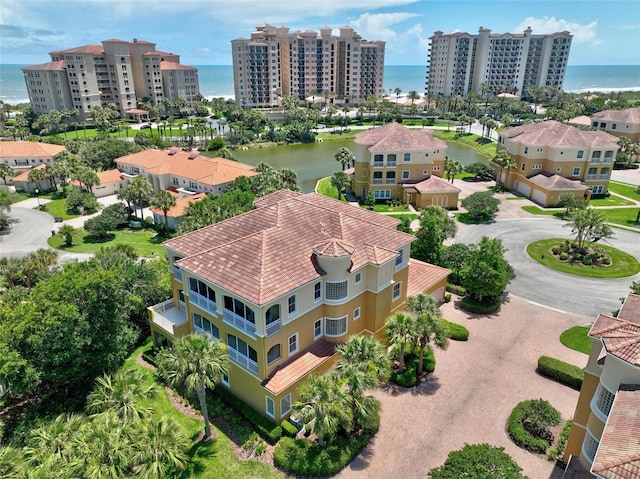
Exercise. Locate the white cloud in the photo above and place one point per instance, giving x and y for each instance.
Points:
(376, 26)
(581, 33)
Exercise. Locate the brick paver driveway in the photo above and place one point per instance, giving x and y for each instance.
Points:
(471, 394)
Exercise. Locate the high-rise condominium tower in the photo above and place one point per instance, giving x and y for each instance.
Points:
(117, 72)
(510, 62)
(275, 62)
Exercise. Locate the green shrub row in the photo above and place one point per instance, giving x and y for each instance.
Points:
(455, 289)
(267, 429)
(288, 429)
(303, 457)
(555, 452)
(519, 433)
(456, 332)
(560, 371)
(472, 305)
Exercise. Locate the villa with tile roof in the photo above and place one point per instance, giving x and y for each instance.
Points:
(395, 162)
(282, 284)
(605, 435)
(22, 184)
(553, 158)
(618, 122)
(24, 155)
(186, 172)
(110, 181)
(176, 213)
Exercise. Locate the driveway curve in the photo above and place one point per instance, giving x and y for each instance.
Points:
(561, 291)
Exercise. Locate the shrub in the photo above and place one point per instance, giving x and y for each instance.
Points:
(564, 256)
(488, 305)
(555, 452)
(455, 289)
(409, 377)
(447, 297)
(562, 372)
(587, 261)
(456, 332)
(606, 260)
(529, 424)
(303, 457)
(288, 429)
(478, 461)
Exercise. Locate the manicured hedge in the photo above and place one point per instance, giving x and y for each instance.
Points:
(521, 414)
(457, 332)
(562, 372)
(455, 289)
(303, 457)
(409, 377)
(288, 429)
(480, 307)
(556, 451)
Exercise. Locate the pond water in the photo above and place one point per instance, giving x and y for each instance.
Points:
(313, 161)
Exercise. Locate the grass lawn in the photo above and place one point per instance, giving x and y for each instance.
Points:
(58, 208)
(516, 198)
(413, 216)
(625, 190)
(576, 338)
(611, 201)
(622, 264)
(147, 243)
(209, 460)
(485, 147)
(325, 188)
(621, 216)
(536, 210)
(382, 208)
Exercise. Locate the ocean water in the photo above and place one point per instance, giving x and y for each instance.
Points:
(217, 80)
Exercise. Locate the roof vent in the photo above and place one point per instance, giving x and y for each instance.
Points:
(172, 152)
(192, 156)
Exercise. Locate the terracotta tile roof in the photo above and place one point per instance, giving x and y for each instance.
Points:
(299, 366)
(618, 455)
(582, 120)
(28, 149)
(556, 182)
(433, 184)
(629, 115)
(393, 137)
(631, 308)
(275, 197)
(333, 248)
(209, 171)
(160, 53)
(24, 176)
(92, 49)
(59, 65)
(424, 276)
(267, 252)
(556, 134)
(621, 336)
(114, 40)
(165, 65)
(178, 210)
(108, 176)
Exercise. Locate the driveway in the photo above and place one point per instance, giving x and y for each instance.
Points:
(470, 395)
(537, 283)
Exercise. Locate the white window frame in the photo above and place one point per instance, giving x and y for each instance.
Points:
(406, 174)
(293, 303)
(295, 344)
(356, 313)
(338, 284)
(576, 171)
(396, 294)
(285, 405)
(276, 359)
(317, 336)
(317, 292)
(342, 322)
(269, 401)
(224, 379)
(358, 278)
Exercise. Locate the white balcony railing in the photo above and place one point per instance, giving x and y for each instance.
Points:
(391, 163)
(177, 274)
(391, 181)
(167, 316)
(607, 160)
(604, 176)
(204, 303)
(377, 181)
(591, 177)
(274, 327)
(378, 164)
(243, 361)
(239, 322)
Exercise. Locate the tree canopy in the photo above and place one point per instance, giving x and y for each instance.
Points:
(478, 461)
(435, 226)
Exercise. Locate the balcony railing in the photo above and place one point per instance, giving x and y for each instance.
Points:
(378, 164)
(391, 163)
(274, 327)
(377, 181)
(239, 322)
(607, 160)
(243, 361)
(591, 177)
(391, 181)
(595, 160)
(204, 303)
(172, 320)
(604, 176)
(177, 274)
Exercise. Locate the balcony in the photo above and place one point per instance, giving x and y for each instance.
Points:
(391, 181)
(274, 327)
(591, 177)
(377, 181)
(391, 163)
(177, 274)
(604, 176)
(239, 322)
(169, 318)
(243, 361)
(378, 164)
(204, 303)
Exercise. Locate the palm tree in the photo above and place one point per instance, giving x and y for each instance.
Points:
(10, 462)
(165, 201)
(341, 181)
(66, 231)
(413, 96)
(123, 394)
(5, 171)
(428, 325)
(589, 226)
(196, 362)
(397, 91)
(399, 328)
(345, 158)
(452, 168)
(503, 160)
(323, 402)
(140, 190)
(37, 176)
(159, 448)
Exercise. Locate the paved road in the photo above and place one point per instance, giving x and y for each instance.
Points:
(565, 292)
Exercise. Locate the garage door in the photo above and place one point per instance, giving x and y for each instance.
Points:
(524, 189)
(438, 295)
(539, 197)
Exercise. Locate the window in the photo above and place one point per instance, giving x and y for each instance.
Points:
(356, 313)
(336, 291)
(270, 407)
(590, 446)
(377, 177)
(597, 189)
(576, 171)
(391, 160)
(204, 296)
(273, 314)
(274, 354)
(558, 170)
(317, 329)
(203, 325)
(526, 150)
(407, 157)
(293, 344)
(285, 405)
(399, 258)
(378, 160)
(238, 308)
(614, 126)
(317, 291)
(292, 304)
(391, 177)
(405, 175)
(242, 354)
(358, 277)
(382, 194)
(397, 290)
(225, 380)
(523, 166)
(436, 168)
(536, 167)
(604, 399)
(335, 326)
(580, 154)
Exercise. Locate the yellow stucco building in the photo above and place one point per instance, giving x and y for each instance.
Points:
(618, 122)
(285, 282)
(605, 436)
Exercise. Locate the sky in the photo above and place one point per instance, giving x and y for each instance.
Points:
(606, 32)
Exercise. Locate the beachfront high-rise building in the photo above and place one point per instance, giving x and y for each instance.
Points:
(116, 71)
(459, 63)
(275, 62)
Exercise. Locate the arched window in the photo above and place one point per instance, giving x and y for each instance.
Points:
(274, 354)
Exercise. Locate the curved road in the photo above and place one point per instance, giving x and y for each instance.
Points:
(562, 291)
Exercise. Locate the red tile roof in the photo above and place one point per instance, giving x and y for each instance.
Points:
(393, 137)
(165, 65)
(433, 184)
(265, 253)
(629, 115)
(621, 335)
(556, 182)
(299, 366)
(181, 206)
(424, 276)
(556, 134)
(92, 49)
(59, 65)
(24, 176)
(108, 176)
(28, 149)
(618, 455)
